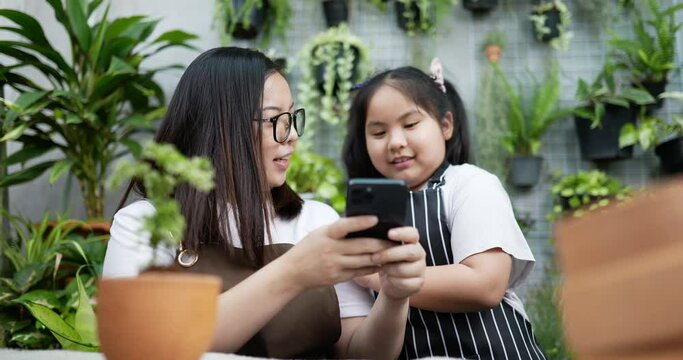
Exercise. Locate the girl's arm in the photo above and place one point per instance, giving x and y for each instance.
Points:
(320, 259)
(477, 283)
(380, 334)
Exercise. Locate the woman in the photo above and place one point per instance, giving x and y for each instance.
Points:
(279, 256)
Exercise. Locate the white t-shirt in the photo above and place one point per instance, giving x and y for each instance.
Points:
(128, 251)
(480, 218)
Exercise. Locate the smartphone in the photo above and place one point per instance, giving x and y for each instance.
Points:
(385, 198)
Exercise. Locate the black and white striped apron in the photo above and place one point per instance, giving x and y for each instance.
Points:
(497, 333)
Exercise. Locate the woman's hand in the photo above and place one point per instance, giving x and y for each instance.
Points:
(325, 257)
(402, 267)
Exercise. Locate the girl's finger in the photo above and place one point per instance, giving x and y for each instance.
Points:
(403, 270)
(410, 253)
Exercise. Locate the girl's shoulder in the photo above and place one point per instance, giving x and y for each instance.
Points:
(468, 175)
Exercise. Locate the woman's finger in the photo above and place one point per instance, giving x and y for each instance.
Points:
(356, 261)
(340, 228)
(404, 234)
(357, 246)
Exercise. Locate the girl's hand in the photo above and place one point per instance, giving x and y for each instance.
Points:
(324, 257)
(402, 267)
(368, 281)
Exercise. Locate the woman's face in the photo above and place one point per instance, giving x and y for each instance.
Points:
(404, 141)
(277, 99)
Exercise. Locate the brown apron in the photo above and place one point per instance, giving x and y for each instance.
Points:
(307, 327)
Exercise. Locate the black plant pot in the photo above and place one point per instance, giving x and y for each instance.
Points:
(401, 8)
(480, 5)
(603, 143)
(321, 70)
(336, 12)
(655, 89)
(552, 22)
(256, 21)
(671, 155)
(525, 170)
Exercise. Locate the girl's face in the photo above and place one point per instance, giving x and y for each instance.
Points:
(404, 141)
(277, 99)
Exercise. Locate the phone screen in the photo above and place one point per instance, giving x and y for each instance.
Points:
(385, 198)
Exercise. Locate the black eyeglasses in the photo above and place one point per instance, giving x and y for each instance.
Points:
(282, 124)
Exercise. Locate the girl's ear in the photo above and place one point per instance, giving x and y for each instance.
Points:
(447, 126)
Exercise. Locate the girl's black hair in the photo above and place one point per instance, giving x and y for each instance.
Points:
(426, 94)
(211, 115)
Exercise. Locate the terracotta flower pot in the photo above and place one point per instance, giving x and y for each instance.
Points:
(493, 53)
(157, 315)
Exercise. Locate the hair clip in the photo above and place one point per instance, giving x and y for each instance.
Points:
(357, 86)
(437, 73)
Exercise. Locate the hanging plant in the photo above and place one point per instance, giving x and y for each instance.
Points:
(330, 64)
(421, 16)
(247, 19)
(551, 21)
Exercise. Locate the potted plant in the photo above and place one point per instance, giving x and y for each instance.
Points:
(493, 45)
(318, 177)
(606, 107)
(422, 16)
(336, 12)
(491, 114)
(478, 6)
(330, 63)
(551, 21)
(246, 19)
(140, 317)
(650, 54)
(527, 121)
(585, 191)
(44, 294)
(665, 137)
(89, 108)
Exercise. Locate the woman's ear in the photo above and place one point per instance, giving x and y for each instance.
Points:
(447, 125)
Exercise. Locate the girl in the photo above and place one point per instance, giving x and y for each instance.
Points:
(406, 125)
(277, 254)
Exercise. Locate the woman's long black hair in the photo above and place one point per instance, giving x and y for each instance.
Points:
(211, 115)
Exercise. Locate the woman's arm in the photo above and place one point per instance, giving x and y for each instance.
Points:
(380, 335)
(478, 282)
(322, 258)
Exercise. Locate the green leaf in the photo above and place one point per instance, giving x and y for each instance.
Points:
(25, 175)
(175, 36)
(33, 147)
(120, 25)
(86, 323)
(59, 169)
(27, 99)
(42, 297)
(28, 276)
(99, 38)
(628, 135)
(133, 146)
(29, 27)
(14, 133)
(65, 334)
(78, 22)
(638, 96)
